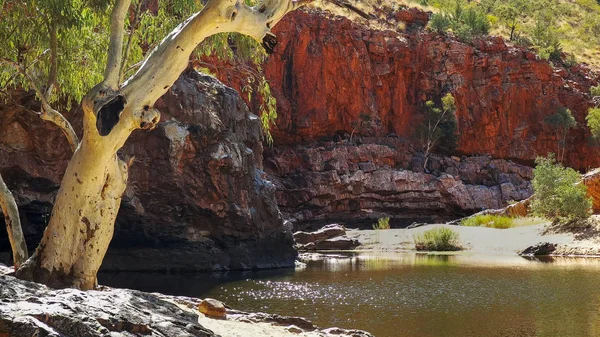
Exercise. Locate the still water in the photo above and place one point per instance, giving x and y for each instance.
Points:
(414, 295)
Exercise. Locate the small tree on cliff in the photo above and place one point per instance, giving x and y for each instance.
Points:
(438, 126)
(512, 13)
(82, 222)
(561, 122)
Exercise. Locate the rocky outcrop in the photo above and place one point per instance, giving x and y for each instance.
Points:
(330, 237)
(592, 181)
(197, 198)
(328, 70)
(542, 248)
(358, 184)
(31, 309)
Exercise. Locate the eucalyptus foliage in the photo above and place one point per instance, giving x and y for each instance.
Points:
(47, 37)
(62, 45)
(561, 122)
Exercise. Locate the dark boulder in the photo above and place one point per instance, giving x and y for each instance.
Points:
(197, 198)
(542, 248)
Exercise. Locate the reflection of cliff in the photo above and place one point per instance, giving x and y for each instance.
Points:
(326, 71)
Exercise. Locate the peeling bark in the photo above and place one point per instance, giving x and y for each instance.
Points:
(82, 221)
(13, 225)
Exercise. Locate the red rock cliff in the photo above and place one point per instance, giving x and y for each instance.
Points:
(326, 71)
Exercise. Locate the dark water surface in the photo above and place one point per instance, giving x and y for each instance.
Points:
(412, 295)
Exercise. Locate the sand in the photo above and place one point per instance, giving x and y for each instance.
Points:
(482, 240)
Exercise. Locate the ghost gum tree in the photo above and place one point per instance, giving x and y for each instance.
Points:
(82, 221)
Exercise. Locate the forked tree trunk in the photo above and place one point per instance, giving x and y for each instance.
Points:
(82, 221)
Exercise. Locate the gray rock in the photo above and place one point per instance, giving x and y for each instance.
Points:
(542, 248)
(327, 232)
(30, 309)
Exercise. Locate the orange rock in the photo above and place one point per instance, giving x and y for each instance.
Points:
(212, 308)
(592, 181)
(327, 71)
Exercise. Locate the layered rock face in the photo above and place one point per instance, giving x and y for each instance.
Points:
(328, 70)
(196, 199)
(357, 184)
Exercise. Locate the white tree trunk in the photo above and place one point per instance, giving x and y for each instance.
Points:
(82, 221)
(13, 225)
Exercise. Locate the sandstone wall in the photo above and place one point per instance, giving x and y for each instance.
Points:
(327, 70)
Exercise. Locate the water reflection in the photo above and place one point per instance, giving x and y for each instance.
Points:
(402, 295)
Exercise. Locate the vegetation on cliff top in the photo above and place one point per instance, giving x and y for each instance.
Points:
(550, 26)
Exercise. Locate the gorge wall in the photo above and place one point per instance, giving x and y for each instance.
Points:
(197, 198)
(327, 70)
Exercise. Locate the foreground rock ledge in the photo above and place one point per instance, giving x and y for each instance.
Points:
(30, 309)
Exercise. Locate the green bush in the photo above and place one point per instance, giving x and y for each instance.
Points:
(558, 192)
(382, 223)
(437, 239)
(488, 220)
(593, 122)
(439, 23)
(466, 21)
(545, 38)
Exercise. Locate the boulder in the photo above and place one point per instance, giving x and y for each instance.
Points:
(212, 308)
(327, 232)
(31, 309)
(197, 197)
(542, 248)
(592, 182)
(330, 237)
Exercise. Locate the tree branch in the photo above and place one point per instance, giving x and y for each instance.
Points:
(136, 21)
(13, 225)
(115, 46)
(170, 58)
(48, 113)
(53, 60)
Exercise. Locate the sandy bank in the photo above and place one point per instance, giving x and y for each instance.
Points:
(483, 240)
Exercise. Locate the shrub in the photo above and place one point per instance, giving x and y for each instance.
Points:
(437, 239)
(488, 220)
(438, 127)
(545, 38)
(593, 122)
(439, 23)
(558, 192)
(382, 223)
(595, 91)
(466, 21)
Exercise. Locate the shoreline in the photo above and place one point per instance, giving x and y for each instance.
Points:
(484, 240)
